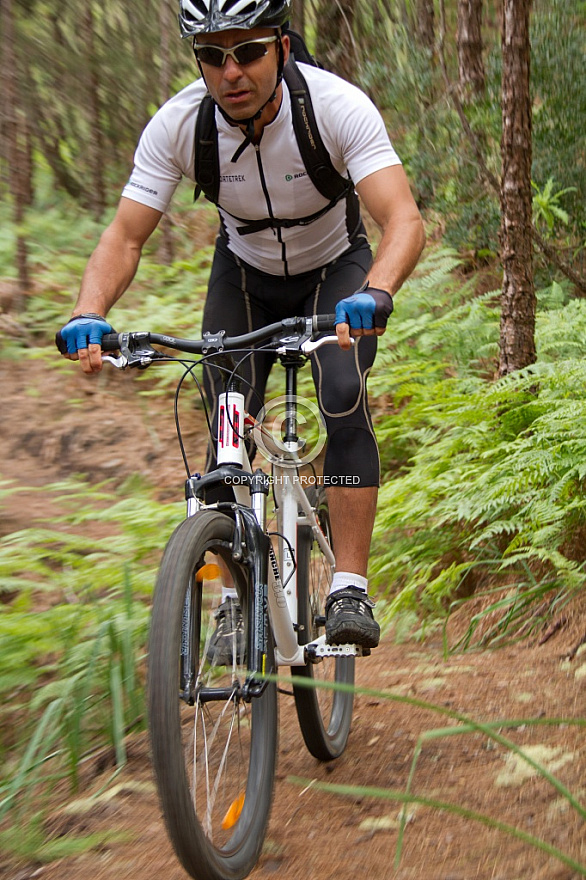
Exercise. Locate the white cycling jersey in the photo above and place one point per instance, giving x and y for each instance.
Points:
(269, 179)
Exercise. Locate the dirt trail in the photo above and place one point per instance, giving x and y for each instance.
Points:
(313, 833)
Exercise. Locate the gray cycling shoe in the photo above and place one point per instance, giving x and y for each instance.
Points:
(228, 635)
(349, 619)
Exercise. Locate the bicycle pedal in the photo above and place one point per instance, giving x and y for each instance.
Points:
(316, 651)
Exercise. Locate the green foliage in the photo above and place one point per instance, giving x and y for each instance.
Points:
(484, 482)
(408, 86)
(36, 558)
(406, 81)
(546, 205)
(89, 71)
(30, 842)
(559, 102)
(72, 668)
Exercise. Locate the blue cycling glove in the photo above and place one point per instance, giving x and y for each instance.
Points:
(81, 331)
(368, 308)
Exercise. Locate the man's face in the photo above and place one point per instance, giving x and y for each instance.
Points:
(242, 89)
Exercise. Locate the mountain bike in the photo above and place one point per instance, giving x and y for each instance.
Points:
(213, 720)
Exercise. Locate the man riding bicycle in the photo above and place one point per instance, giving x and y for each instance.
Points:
(282, 250)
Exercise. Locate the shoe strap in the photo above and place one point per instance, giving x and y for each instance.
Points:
(354, 593)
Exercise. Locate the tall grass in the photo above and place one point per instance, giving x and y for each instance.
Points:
(73, 635)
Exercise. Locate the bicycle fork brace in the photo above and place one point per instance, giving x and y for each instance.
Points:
(251, 545)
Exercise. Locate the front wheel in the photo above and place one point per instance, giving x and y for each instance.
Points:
(213, 751)
(324, 714)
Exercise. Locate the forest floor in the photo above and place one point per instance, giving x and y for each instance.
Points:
(108, 432)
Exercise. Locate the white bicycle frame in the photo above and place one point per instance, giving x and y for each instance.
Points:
(293, 510)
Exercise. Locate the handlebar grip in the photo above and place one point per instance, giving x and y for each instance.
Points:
(110, 342)
(324, 322)
(60, 343)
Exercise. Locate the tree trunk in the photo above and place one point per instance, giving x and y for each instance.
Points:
(425, 24)
(28, 144)
(517, 332)
(15, 144)
(166, 249)
(96, 140)
(470, 64)
(298, 16)
(4, 112)
(335, 45)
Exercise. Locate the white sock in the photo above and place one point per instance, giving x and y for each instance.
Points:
(343, 579)
(229, 593)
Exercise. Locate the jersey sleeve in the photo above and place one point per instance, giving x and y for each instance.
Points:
(366, 146)
(352, 128)
(165, 151)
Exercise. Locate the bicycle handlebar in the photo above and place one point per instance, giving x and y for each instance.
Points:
(218, 341)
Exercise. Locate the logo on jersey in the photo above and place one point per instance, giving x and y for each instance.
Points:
(290, 177)
(151, 192)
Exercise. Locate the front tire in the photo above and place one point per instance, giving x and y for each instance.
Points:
(214, 756)
(324, 714)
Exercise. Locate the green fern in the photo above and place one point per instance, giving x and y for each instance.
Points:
(483, 480)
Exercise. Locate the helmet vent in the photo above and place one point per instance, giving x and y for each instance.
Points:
(239, 7)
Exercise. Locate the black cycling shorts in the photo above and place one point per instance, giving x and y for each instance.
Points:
(241, 299)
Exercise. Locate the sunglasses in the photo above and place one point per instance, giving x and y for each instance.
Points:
(243, 53)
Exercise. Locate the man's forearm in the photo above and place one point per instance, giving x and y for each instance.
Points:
(109, 272)
(397, 254)
(387, 197)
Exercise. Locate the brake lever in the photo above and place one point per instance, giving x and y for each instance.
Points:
(312, 345)
(141, 358)
(120, 362)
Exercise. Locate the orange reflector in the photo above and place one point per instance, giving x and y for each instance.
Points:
(233, 814)
(208, 572)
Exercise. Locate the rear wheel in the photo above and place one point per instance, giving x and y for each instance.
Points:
(213, 751)
(325, 714)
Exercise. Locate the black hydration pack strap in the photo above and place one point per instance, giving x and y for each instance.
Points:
(251, 226)
(328, 182)
(207, 159)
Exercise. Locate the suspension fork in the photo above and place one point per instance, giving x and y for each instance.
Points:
(254, 547)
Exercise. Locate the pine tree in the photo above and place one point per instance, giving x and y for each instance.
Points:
(517, 335)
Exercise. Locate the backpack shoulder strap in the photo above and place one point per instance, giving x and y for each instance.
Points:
(299, 49)
(207, 161)
(329, 182)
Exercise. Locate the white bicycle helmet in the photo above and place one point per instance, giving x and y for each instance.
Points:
(210, 16)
